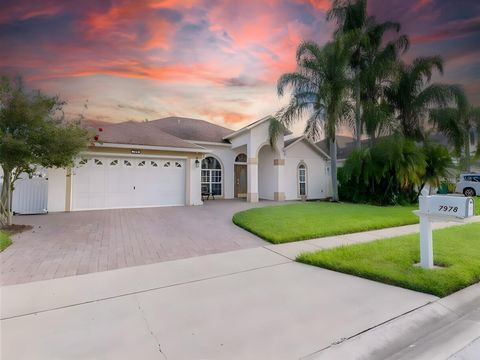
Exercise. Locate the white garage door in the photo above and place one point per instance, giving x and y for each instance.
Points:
(106, 183)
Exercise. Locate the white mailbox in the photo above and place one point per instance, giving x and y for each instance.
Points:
(450, 206)
(439, 208)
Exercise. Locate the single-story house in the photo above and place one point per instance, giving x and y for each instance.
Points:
(182, 161)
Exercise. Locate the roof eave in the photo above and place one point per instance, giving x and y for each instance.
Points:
(251, 126)
(198, 149)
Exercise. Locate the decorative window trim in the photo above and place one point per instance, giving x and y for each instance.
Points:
(167, 164)
(98, 162)
(177, 164)
(114, 162)
(210, 177)
(127, 163)
(153, 163)
(302, 167)
(83, 161)
(239, 158)
(141, 163)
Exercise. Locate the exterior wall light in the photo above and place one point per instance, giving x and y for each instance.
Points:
(197, 162)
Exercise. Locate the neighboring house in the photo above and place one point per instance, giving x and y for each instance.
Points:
(174, 161)
(345, 145)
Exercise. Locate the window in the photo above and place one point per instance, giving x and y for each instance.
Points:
(141, 163)
(212, 175)
(153, 163)
(302, 179)
(167, 164)
(98, 162)
(127, 163)
(241, 158)
(472, 178)
(83, 162)
(114, 163)
(177, 164)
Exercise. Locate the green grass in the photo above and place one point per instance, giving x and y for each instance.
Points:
(390, 261)
(301, 221)
(5, 240)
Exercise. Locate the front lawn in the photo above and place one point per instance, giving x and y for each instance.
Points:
(456, 250)
(300, 221)
(5, 240)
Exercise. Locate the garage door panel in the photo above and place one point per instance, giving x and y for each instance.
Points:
(129, 182)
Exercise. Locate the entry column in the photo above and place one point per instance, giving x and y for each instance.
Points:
(278, 172)
(252, 179)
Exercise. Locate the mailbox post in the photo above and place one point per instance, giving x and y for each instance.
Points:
(439, 208)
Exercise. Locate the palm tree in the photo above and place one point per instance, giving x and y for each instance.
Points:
(411, 96)
(377, 70)
(458, 123)
(438, 165)
(320, 88)
(368, 61)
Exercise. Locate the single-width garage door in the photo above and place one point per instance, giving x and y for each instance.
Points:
(106, 183)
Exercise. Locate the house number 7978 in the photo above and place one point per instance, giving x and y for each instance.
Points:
(448, 208)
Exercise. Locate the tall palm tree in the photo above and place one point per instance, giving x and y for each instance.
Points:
(352, 17)
(412, 97)
(376, 71)
(320, 90)
(458, 123)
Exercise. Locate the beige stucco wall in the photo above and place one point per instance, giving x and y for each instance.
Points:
(57, 189)
(318, 175)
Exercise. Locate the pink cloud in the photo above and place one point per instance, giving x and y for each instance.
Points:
(452, 29)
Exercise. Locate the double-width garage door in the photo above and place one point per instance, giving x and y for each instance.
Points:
(106, 183)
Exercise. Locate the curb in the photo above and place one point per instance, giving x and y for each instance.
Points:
(395, 335)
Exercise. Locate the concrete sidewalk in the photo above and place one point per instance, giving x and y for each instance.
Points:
(293, 249)
(247, 304)
(448, 328)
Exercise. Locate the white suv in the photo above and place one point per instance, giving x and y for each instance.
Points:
(469, 185)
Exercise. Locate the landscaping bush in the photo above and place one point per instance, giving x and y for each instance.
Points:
(392, 171)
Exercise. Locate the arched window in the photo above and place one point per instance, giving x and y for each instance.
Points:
(241, 158)
(302, 179)
(212, 176)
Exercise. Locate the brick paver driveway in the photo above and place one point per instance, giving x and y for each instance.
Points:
(65, 244)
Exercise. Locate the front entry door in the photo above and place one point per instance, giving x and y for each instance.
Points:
(240, 181)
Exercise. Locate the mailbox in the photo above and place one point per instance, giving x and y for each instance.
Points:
(450, 206)
(439, 208)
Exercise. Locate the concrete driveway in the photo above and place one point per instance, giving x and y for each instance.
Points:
(65, 244)
(246, 304)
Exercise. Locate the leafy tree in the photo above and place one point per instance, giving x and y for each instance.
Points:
(412, 97)
(320, 89)
(371, 62)
(458, 123)
(33, 133)
(439, 165)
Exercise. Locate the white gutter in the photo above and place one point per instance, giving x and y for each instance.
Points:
(113, 155)
(149, 147)
(209, 143)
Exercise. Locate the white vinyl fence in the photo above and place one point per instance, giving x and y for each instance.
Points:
(31, 193)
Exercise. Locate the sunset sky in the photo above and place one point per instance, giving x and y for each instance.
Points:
(213, 60)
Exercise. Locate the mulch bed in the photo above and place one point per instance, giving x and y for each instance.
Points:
(16, 229)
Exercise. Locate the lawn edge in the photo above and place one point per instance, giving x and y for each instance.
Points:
(300, 258)
(275, 241)
(9, 241)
